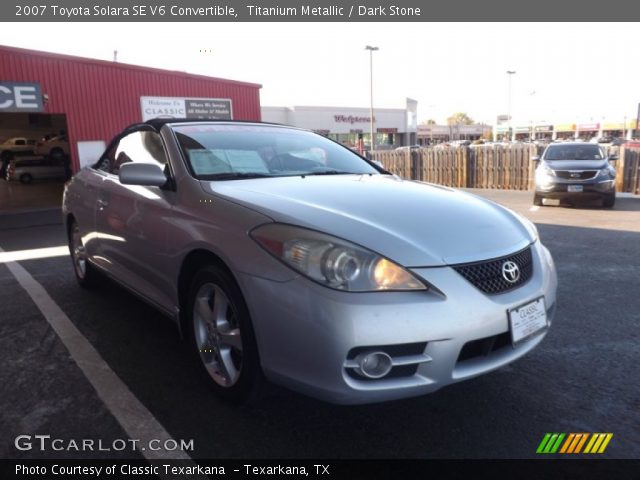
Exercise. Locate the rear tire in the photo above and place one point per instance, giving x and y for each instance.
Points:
(26, 178)
(56, 153)
(222, 337)
(609, 201)
(537, 200)
(85, 273)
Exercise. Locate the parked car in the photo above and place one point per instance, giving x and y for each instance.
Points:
(616, 142)
(575, 171)
(56, 147)
(323, 273)
(26, 170)
(12, 148)
(404, 148)
(16, 146)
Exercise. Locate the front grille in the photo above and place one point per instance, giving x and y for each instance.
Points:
(487, 275)
(576, 175)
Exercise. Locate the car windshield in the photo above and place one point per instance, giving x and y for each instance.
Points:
(574, 152)
(229, 152)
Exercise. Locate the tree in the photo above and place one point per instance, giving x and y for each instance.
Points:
(431, 121)
(459, 118)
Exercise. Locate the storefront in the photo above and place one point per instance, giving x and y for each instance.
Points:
(351, 126)
(88, 101)
(625, 129)
(587, 131)
(564, 131)
(433, 134)
(502, 133)
(543, 132)
(523, 133)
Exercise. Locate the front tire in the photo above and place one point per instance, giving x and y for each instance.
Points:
(537, 200)
(609, 201)
(84, 272)
(222, 337)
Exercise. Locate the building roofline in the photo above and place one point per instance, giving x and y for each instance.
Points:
(123, 66)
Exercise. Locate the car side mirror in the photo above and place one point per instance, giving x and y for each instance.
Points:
(146, 174)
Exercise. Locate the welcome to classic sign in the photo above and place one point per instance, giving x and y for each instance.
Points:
(179, 107)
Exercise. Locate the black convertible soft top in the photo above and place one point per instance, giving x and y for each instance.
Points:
(157, 123)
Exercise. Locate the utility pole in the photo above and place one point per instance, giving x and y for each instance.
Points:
(371, 50)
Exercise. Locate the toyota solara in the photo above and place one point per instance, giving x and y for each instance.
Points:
(285, 256)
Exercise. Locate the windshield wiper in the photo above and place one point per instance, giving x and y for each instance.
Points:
(233, 176)
(330, 172)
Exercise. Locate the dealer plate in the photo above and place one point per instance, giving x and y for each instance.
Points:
(574, 188)
(527, 319)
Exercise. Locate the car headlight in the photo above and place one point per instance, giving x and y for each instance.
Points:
(608, 171)
(333, 262)
(544, 174)
(547, 171)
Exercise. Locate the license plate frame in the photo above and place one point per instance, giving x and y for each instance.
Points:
(527, 320)
(574, 188)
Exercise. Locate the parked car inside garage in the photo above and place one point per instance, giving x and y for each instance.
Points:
(56, 147)
(12, 148)
(26, 170)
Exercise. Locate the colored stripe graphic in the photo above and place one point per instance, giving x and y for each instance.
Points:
(567, 443)
(550, 443)
(598, 443)
(543, 443)
(574, 443)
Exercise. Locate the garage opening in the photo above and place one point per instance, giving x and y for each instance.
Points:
(34, 161)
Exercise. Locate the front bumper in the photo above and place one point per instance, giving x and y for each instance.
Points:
(592, 189)
(308, 335)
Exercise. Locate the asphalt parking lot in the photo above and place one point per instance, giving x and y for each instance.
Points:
(582, 378)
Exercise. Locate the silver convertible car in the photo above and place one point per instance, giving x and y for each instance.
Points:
(285, 256)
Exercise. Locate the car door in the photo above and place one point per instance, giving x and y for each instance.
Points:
(132, 220)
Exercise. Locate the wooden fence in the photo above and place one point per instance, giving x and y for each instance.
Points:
(628, 178)
(506, 167)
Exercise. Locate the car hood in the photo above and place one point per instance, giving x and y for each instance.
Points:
(576, 164)
(412, 223)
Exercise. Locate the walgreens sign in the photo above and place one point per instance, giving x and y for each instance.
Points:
(351, 119)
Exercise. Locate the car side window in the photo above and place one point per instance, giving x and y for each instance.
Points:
(140, 147)
(108, 159)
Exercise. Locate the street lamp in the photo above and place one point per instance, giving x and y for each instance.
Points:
(510, 73)
(371, 50)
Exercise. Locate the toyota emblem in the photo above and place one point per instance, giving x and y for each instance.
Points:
(510, 271)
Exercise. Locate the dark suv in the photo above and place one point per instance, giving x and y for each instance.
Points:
(575, 171)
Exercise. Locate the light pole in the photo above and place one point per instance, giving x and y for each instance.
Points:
(510, 73)
(371, 50)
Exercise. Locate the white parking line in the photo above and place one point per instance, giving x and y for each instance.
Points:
(33, 254)
(131, 414)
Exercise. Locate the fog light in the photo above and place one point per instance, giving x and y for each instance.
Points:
(374, 364)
